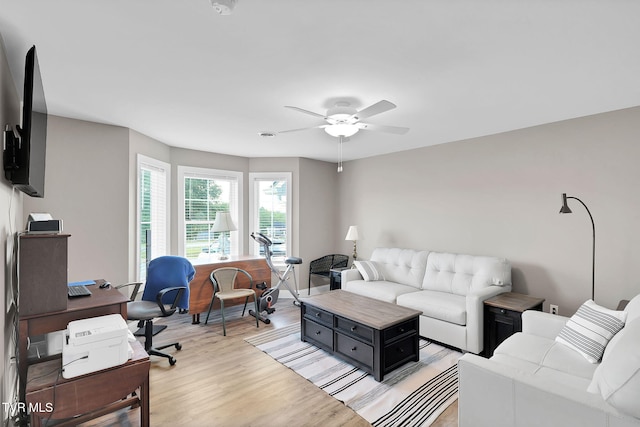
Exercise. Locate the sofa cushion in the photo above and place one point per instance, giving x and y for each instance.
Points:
(437, 305)
(404, 266)
(546, 353)
(368, 270)
(381, 290)
(618, 376)
(531, 348)
(459, 274)
(590, 329)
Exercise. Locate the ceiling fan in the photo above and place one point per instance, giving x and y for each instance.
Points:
(343, 121)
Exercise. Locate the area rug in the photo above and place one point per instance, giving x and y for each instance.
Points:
(415, 394)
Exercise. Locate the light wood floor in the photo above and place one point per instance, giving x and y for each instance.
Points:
(224, 381)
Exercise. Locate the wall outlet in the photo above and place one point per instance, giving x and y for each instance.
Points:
(553, 309)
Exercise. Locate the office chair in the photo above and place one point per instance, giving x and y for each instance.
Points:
(323, 265)
(166, 290)
(225, 288)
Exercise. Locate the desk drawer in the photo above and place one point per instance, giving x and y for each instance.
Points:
(410, 326)
(400, 352)
(354, 329)
(318, 333)
(318, 315)
(354, 349)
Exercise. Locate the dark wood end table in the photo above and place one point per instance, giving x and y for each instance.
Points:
(503, 317)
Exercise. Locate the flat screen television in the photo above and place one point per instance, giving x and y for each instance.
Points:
(25, 150)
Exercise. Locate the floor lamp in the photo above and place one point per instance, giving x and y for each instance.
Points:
(565, 209)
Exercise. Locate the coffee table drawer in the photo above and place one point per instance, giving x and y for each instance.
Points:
(400, 352)
(316, 332)
(354, 349)
(354, 329)
(410, 326)
(318, 315)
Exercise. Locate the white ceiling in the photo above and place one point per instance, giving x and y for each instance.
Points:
(177, 71)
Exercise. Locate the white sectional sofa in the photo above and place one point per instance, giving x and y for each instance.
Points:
(535, 380)
(448, 288)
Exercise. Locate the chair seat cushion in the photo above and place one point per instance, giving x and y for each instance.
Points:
(236, 293)
(144, 310)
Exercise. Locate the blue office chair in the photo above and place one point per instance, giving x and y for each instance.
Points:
(166, 290)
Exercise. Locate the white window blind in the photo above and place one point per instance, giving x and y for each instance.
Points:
(153, 212)
(204, 193)
(271, 211)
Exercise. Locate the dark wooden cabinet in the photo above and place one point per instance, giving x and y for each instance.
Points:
(335, 278)
(42, 273)
(503, 317)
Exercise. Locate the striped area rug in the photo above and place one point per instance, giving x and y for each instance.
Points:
(415, 394)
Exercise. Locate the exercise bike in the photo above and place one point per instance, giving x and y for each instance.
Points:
(269, 296)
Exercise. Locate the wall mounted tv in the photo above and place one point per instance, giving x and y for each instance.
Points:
(25, 147)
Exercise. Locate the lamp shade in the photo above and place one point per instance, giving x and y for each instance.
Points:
(565, 208)
(352, 234)
(223, 222)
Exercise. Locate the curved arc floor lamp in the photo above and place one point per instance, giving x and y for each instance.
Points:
(565, 209)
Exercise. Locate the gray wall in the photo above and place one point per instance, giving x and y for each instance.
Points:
(10, 217)
(500, 195)
(87, 184)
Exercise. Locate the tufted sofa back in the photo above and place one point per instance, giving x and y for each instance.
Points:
(461, 274)
(405, 266)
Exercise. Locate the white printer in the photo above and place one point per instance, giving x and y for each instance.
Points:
(93, 344)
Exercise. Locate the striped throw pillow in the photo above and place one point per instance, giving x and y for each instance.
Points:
(368, 270)
(590, 329)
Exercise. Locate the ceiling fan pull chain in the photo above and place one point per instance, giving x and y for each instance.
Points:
(340, 162)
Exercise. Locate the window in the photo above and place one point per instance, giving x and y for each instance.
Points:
(202, 194)
(152, 212)
(270, 211)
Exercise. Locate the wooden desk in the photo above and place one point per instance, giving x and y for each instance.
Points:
(201, 288)
(50, 396)
(100, 303)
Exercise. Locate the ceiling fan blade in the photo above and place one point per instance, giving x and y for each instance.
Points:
(377, 108)
(382, 128)
(306, 111)
(299, 129)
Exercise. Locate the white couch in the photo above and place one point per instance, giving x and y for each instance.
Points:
(448, 288)
(533, 380)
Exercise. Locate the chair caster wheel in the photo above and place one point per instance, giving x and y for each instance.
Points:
(178, 346)
(267, 321)
(172, 361)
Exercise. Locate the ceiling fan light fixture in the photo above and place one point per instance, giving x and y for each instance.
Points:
(342, 129)
(223, 7)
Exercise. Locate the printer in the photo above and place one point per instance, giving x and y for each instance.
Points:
(93, 344)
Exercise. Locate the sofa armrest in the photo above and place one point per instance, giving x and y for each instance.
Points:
(543, 324)
(498, 395)
(475, 315)
(349, 275)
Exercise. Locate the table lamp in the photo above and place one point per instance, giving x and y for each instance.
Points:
(352, 234)
(223, 223)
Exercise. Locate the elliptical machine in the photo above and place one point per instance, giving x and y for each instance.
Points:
(269, 296)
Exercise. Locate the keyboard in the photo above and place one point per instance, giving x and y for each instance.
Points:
(78, 291)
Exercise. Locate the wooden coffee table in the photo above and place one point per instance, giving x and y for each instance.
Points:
(373, 335)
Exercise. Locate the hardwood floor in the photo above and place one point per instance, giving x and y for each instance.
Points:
(224, 381)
